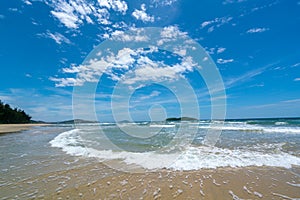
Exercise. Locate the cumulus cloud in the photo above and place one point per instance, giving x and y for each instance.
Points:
(142, 15)
(257, 30)
(138, 65)
(74, 13)
(57, 37)
(224, 61)
(145, 69)
(116, 5)
(170, 33)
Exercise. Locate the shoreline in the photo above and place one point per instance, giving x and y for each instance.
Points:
(13, 128)
(98, 181)
(227, 183)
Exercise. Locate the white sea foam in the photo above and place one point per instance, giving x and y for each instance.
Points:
(192, 158)
(254, 128)
(162, 125)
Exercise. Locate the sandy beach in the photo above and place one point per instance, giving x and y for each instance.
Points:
(97, 181)
(245, 183)
(11, 128)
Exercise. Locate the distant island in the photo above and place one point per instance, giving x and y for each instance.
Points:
(74, 121)
(13, 116)
(181, 119)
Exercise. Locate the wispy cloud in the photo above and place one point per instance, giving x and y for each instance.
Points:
(163, 2)
(292, 101)
(221, 50)
(297, 79)
(2, 16)
(257, 30)
(224, 61)
(57, 37)
(245, 77)
(215, 23)
(296, 64)
(153, 94)
(142, 15)
(133, 36)
(233, 1)
(213, 50)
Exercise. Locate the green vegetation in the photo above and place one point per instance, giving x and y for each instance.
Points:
(12, 116)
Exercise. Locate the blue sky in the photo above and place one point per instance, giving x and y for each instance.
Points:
(255, 45)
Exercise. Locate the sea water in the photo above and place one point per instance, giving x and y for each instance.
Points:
(181, 145)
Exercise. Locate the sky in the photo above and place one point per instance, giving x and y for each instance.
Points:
(80, 58)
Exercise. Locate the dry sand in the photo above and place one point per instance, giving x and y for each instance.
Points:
(11, 128)
(96, 181)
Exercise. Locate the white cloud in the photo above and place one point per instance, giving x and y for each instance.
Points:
(136, 35)
(223, 61)
(245, 77)
(215, 23)
(116, 5)
(149, 70)
(13, 9)
(233, 1)
(206, 23)
(153, 94)
(296, 64)
(292, 101)
(142, 15)
(27, 2)
(221, 50)
(68, 19)
(2, 16)
(297, 79)
(163, 2)
(28, 75)
(257, 30)
(95, 68)
(213, 50)
(171, 33)
(57, 37)
(74, 13)
(145, 69)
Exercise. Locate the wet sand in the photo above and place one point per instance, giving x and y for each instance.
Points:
(97, 181)
(11, 128)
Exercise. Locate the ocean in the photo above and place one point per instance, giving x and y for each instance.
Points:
(181, 145)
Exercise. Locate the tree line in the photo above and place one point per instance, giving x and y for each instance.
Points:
(9, 115)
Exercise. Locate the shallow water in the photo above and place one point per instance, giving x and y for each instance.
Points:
(181, 145)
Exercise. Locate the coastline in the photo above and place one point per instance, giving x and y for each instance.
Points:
(222, 183)
(97, 181)
(12, 128)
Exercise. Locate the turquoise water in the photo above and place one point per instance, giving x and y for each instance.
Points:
(181, 145)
